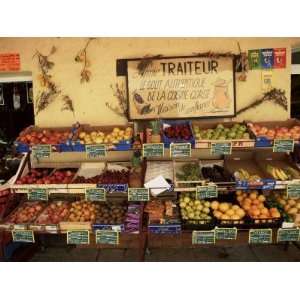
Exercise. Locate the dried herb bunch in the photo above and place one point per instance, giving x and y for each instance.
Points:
(48, 95)
(276, 96)
(211, 54)
(68, 104)
(81, 57)
(120, 93)
(145, 62)
(242, 64)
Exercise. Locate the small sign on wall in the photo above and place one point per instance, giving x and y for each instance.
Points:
(266, 80)
(9, 62)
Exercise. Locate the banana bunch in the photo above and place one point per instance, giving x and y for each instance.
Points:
(277, 173)
(243, 174)
(292, 173)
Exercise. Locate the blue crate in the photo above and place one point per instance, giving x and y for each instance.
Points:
(78, 147)
(21, 147)
(262, 141)
(168, 141)
(114, 188)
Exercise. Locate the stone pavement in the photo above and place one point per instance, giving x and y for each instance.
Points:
(259, 253)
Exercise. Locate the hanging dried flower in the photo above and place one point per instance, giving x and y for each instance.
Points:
(81, 57)
(276, 96)
(68, 104)
(120, 93)
(51, 91)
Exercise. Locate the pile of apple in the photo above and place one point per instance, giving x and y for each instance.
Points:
(54, 213)
(290, 205)
(178, 132)
(277, 132)
(44, 176)
(46, 136)
(82, 211)
(227, 211)
(99, 137)
(26, 213)
(253, 204)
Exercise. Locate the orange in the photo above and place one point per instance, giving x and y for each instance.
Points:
(252, 196)
(255, 202)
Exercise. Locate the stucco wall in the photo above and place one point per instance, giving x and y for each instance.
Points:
(89, 98)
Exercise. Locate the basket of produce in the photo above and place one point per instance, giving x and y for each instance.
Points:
(118, 138)
(53, 214)
(266, 132)
(261, 215)
(177, 132)
(187, 174)
(110, 216)
(195, 214)
(214, 171)
(212, 132)
(24, 215)
(60, 138)
(163, 217)
(113, 177)
(228, 214)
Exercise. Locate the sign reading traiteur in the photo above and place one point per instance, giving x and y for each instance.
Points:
(181, 88)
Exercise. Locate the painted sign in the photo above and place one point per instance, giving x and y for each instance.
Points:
(279, 58)
(267, 58)
(254, 59)
(181, 87)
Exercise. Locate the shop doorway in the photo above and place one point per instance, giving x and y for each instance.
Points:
(295, 84)
(16, 105)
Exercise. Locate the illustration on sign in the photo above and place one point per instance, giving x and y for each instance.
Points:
(181, 87)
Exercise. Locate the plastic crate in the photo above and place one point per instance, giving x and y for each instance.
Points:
(167, 141)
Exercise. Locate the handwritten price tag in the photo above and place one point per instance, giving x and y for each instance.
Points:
(288, 235)
(153, 150)
(180, 150)
(293, 190)
(24, 236)
(206, 191)
(95, 151)
(38, 195)
(283, 145)
(226, 233)
(41, 151)
(107, 237)
(95, 194)
(138, 194)
(78, 237)
(203, 237)
(223, 148)
(260, 236)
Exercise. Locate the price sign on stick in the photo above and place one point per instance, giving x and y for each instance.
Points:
(226, 233)
(293, 190)
(223, 148)
(206, 191)
(107, 237)
(24, 236)
(78, 237)
(203, 237)
(180, 150)
(138, 194)
(95, 194)
(38, 194)
(283, 145)
(95, 151)
(260, 236)
(153, 150)
(288, 235)
(41, 151)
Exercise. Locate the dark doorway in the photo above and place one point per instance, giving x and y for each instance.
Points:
(16, 108)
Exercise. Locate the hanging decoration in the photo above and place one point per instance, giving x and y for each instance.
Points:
(276, 96)
(68, 104)
(81, 57)
(120, 93)
(50, 92)
(242, 64)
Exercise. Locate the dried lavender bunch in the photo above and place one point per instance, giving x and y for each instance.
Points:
(68, 104)
(120, 93)
(275, 95)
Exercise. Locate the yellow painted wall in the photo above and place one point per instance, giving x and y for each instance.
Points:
(89, 98)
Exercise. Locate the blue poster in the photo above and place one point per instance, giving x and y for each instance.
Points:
(267, 58)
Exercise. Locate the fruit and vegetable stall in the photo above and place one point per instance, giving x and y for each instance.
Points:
(151, 196)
